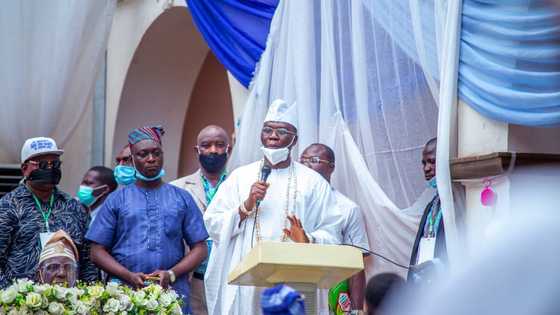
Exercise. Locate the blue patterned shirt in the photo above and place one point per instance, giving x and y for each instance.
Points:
(145, 229)
(21, 223)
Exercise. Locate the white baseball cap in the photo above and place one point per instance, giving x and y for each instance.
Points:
(39, 146)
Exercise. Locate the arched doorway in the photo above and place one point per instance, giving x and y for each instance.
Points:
(163, 78)
(210, 104)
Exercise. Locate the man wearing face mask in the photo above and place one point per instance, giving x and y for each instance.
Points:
(124, 171)
(212, 149)
(429, 247)
(141, 230)
(97, 184)
(292, 204)
(31, 213)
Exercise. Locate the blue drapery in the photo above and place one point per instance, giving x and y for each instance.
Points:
(510, 60)
(510, 54)
(235, 30)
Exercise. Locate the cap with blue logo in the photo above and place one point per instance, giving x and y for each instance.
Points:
(39, 146)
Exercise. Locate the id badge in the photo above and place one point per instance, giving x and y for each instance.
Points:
(427, 249)
(45, 237)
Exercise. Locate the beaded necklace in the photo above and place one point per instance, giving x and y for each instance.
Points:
(292, 181)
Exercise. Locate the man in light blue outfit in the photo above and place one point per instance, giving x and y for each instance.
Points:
(140, 230)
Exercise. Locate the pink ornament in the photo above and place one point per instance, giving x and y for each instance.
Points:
(487, 196)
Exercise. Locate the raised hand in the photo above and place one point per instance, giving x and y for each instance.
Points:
(296, 232)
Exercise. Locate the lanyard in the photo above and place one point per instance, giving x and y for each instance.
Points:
(47, 214)
(433, 224)
(211, 191)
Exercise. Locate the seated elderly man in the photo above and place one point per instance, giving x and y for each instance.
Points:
(57, 263)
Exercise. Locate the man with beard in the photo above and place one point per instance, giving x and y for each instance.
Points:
(212, 149)
(249, 208)
(141, 229)
(31, 213)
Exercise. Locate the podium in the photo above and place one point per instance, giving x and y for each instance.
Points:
(305, 267)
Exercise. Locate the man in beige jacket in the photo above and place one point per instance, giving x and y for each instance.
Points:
(213, 149)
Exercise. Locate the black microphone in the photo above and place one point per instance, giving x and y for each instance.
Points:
(265, 172)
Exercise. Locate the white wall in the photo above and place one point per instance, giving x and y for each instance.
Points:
(77, 153)
(478, 135)
(132, 19)
(239, 96)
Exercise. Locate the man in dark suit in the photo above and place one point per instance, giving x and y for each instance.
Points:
(429, 246)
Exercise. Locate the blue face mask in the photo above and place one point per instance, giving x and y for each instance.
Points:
(85, 195)
(124, 174)
(150, 179)
(432, 183)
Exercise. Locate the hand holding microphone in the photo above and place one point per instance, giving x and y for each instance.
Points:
(258, 190)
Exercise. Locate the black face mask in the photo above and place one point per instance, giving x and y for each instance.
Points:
(49, 176)
(213, 163)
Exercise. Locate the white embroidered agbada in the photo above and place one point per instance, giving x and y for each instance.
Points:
(310, 198)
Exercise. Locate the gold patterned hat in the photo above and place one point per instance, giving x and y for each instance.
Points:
(59, 245)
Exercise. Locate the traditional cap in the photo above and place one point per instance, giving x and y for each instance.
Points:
(282, 299)
(39, 146)
(59, 245)
(280, 111)
(146, 133)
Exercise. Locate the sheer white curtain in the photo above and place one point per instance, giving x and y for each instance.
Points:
(360, 93)
(50, 52)
(428, 31)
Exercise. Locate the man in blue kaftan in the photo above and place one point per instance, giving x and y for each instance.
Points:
(140, 231)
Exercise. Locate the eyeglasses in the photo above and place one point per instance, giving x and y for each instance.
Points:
(315, 160)
(279, 131)
(53, 268)
(44, 164)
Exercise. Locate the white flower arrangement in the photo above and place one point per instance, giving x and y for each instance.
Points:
(26, 297)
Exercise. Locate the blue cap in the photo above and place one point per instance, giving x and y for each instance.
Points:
(282, 300)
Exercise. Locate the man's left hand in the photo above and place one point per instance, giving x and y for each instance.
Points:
(163, 276)
(296, 232)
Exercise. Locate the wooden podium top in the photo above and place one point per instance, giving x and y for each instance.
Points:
(270, 263)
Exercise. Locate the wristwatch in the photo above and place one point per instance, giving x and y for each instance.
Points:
(172, 277)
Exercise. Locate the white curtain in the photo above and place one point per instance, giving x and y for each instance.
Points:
(363, 95)
(50, 52)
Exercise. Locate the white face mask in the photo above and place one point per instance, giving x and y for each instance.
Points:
(275, 156)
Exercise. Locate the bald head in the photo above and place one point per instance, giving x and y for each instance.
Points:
(214, 132)
(213, 148)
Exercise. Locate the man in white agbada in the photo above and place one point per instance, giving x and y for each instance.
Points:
(296, 204)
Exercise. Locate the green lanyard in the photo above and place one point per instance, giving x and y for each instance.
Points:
(211, 191)
(47, 214)
(433, 224)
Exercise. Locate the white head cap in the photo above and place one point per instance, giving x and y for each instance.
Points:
(39, 146)
(59, 245)
(280, 111)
